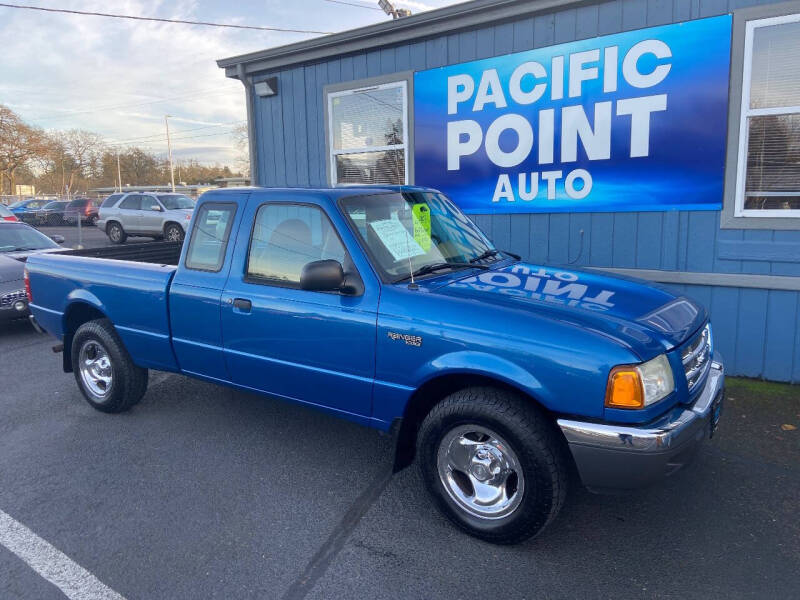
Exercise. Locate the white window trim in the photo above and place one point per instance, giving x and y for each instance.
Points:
(746, 112)
(333, 153)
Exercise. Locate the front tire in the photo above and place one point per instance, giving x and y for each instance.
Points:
(493, 464)
(116, 233)
(173, 233)
(105, 372)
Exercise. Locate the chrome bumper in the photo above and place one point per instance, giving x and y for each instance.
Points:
(611, 457)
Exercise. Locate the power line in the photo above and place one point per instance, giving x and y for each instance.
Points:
(69, 114)
(161, 136)
(354, 4)
(158, 143)
(160, 20)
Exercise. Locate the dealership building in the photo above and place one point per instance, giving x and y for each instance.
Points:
(653, 138)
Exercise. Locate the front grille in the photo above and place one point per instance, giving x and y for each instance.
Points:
(7, 300)
(696, 358)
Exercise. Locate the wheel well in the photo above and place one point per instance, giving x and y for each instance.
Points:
(113, 222)
(168, 223)
(430, 394)
(77, 314)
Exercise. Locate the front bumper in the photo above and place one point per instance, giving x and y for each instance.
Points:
(619, 457)
(13, 305)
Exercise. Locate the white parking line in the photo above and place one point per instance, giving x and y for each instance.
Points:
(52, 564)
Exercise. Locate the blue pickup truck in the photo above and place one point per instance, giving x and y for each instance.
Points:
(388, 306)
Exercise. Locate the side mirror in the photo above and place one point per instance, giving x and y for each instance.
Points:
(322, 276)
(156, 208)
(58, 239)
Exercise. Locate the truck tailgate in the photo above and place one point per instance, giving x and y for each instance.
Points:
(133, 295)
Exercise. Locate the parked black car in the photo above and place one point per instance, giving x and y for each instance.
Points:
(85, 208)
(52, 213)
(17, 242)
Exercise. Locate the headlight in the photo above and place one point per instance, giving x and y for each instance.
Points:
(637, 386)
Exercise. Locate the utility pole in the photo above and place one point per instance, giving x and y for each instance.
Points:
(119, 173)
(169, 151)
(393, 12)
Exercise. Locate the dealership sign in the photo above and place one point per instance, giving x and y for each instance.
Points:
(629, 122)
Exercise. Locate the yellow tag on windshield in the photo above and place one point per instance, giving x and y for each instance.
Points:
(422, 225)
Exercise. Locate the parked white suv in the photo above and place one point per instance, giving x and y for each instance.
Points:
(146, 214)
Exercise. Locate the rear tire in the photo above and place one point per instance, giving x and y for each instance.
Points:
(173, 233)
(493, 463)
(105, 372)
(116, 233)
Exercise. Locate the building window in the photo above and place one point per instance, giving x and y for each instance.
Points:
(768, 174)
(368, 137)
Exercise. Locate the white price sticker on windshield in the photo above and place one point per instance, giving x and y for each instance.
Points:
(397, 239)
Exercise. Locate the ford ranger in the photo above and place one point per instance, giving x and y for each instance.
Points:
(389, 307)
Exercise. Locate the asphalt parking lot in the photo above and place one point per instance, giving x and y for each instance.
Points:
(204, 492)
(89, 235)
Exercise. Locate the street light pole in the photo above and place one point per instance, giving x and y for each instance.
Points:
(169, 152)
(119, 173)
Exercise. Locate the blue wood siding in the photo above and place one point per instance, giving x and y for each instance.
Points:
(756, 330)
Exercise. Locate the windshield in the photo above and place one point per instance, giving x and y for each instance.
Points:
(54, 205)
(407, 232)
(18, 204)
(14, 238)
(4, 212)
(176, 202)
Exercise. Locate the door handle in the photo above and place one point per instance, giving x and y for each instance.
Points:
(242, 305)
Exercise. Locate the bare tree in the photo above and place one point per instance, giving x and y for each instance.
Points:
(241, 140)
(84, 149)
(19, 144)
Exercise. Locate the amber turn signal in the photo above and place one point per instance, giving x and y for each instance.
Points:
(625, 388)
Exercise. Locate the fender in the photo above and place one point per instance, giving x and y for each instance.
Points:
(80, 306)
(468, 362)
(444, 375)
(85, 296)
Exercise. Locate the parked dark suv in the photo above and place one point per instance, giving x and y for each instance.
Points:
(52, 213)
(85, 208)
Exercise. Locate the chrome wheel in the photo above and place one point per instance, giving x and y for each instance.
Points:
(174, 234)
(115, 233)
(95, 369)
(480, 472)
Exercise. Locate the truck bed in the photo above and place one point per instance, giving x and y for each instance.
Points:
(129, 284)
(158, 253)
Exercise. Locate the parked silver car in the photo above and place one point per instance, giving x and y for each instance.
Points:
(146, 214)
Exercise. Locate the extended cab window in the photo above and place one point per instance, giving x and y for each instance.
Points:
(286, 238)
(210, 234)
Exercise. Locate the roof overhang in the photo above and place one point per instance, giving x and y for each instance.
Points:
(431, 23)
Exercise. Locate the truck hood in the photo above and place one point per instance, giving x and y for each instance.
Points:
(10, 269)
(12, 262)
(645, 317)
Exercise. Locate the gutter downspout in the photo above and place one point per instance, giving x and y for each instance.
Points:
(248, 94)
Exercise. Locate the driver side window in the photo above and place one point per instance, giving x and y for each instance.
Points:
(148, 202)
(286, 237)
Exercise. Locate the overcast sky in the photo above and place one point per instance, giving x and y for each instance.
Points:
(120, 77)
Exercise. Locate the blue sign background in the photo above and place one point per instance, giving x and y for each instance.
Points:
(685, 166)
